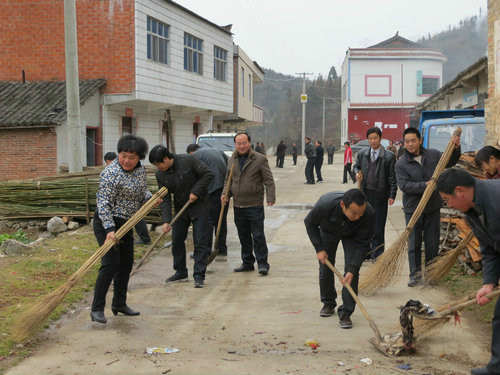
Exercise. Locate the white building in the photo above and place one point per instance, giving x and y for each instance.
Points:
(382, 83)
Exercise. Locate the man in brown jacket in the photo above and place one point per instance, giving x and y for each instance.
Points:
(251, 173)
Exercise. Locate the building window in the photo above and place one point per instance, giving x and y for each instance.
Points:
(242, 82)
(128, 125)
(157, 41)
(220, 58)
(429, 85)
(193, 54)
(250, 87)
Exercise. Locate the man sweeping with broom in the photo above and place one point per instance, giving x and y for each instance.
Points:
(340, 216)
(413, 172)
(479, 201)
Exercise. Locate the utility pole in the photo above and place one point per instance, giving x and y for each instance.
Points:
(303, 143)
(72, 88)
(323, 138)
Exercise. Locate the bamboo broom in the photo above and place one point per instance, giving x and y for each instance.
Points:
(32, 320)
(221, 215)
(446, 313)
(385, 269)
(441, 266)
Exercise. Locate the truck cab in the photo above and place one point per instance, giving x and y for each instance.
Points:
(436, 128)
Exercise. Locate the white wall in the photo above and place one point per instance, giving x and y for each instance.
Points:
(375, 67)
(171, 83)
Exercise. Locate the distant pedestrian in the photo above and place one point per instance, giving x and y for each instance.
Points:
(392, 148)
(259, 148)
(318, 163)
(310, 152)
(280, 154)
(294, 153)
(330, 149)
(141, 227)
(348, 163)
(251, 177)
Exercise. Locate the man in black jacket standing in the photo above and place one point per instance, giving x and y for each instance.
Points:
(479, 201)
(374, 167)
(310, 152)
(330, 149)
(318, 163)
(187, 179)
(294, 153)
(413, 172)
(280, 154)
(340, 216)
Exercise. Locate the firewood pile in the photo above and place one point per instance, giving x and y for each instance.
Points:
(453, 229)
(467, 162)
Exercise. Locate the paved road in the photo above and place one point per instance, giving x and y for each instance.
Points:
(248, 324)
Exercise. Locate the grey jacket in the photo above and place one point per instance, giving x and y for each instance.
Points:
(310, 151)
(412, 178)
(484, 220)
(326, 223)
(247, 185)
(385, 172)
(216, 161)
(330, 149)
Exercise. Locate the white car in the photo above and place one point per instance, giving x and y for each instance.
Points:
(220, 141)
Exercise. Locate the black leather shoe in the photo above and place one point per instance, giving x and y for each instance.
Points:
(142, 242)
(244, 268)
(98, 316)
(327, 310)
(483, 371)
(345, 321)
(263, 270)
(413, 282)
(177, 277)
(199, 283)
(125, 310)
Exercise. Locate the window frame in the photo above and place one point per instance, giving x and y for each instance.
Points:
(193, 54)
(157, 41)
(220, 63)
(435, 79)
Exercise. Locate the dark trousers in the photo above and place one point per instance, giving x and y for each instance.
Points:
(494, 365)
(250, 225)
(380, 205)
(327, 277)
(294, 156)
(347, 169)
(317, 165)
(310, 169)
(201, 245)
(116, 266)
(330, 158)
(428, 227)
(280, 159)
(142, 231)
(213, 221)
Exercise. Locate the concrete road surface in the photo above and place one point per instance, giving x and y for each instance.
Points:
(243, 323)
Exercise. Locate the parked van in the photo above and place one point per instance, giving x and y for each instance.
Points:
(220, 141)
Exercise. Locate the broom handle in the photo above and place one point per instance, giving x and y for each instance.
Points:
(373, 326)
(443, 161)
(221, 215)
(150, 250)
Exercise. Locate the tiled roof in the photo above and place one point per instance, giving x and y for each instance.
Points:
(397, 42)
(33, 104)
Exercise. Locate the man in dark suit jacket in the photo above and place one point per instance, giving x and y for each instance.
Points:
(374, 167)
(479, 201)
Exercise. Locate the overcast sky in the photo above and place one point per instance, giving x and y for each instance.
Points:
(292, 36)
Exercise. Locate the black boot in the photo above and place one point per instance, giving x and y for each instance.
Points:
(125, 310)
(98, 316)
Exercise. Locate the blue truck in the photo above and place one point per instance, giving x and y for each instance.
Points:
(436, 128)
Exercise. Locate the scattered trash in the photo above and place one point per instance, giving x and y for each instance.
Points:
(405, 366)
(340, 363)
(161, 350)
(312, 343)
(292, 312)
(366, 361)
(110, 363)
(166, 371)
(442, 355)
(259, 332)
(231, 351)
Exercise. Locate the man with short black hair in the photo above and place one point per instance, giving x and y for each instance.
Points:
(413, 173)
(251, 177)
(346, 217)
(318, 163)
(187, 179)
(479, 199)
(310, 153)
(374, 167)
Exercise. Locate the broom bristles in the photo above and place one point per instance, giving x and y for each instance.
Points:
(385, 270)
(30, 321)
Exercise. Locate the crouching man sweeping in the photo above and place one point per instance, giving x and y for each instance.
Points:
(340, 216)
